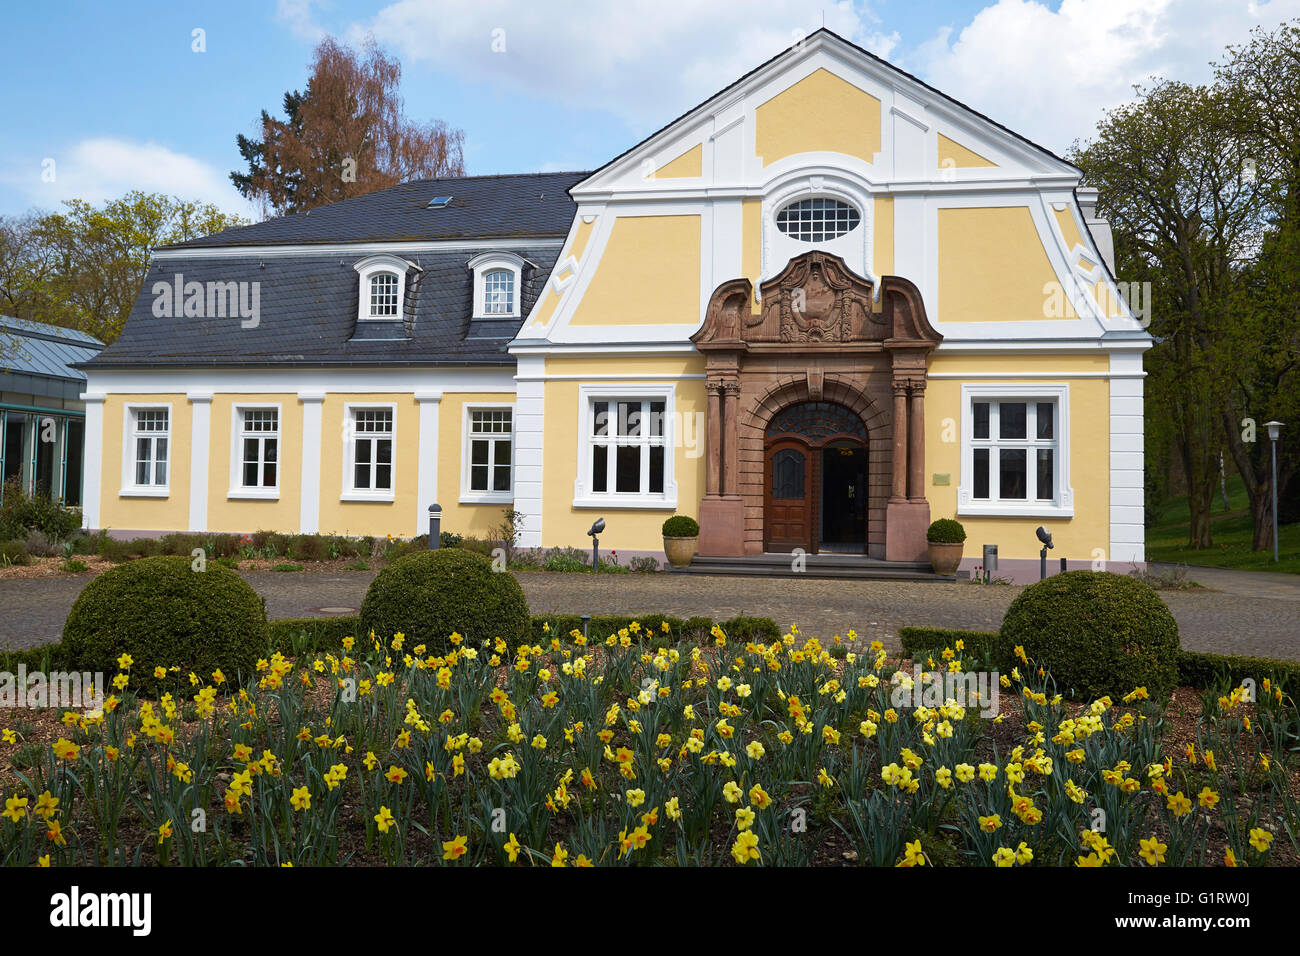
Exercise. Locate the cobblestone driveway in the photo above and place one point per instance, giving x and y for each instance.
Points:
(1238, 613)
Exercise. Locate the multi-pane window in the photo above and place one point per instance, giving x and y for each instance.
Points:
(383, 295)
(150, 434)
(491, 437)
(627, 441)
(372, 449)
(817, 220)
(499, 292)
(259, 444)
(1014, 450)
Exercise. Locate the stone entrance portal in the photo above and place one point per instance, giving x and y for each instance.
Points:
(823, 350)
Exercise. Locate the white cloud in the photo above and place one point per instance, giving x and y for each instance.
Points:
(1049, 75)
(103, 168)
(298, 16)
(645, 60)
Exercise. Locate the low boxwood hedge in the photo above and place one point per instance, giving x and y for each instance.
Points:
(163, 612)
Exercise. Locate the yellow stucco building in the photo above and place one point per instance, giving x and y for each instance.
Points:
(818, 311)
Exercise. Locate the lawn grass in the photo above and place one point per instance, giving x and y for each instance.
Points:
(1230, 530)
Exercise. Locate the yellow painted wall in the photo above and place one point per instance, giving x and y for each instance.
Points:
(686, 166)
(649, 274)
(882, 236)
(954, 155)
(992, 266)
(397, 517)
(479, 521)
(576, 247)
(822, 112)
(1069, 229)
(564, 525)
(242, 515)
(1074, 538)
(146, 514)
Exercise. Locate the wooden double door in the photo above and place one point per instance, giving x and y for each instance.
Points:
(815, 495)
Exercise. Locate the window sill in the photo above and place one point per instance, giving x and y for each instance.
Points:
(379, 318)
(477, 317)
(383, 496)
(501, 499)
(256, 494)
(629, 502)
(1007, 509)
(144, 492)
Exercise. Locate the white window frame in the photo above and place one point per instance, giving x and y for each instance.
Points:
(237, 487)
(350, 492)
(468, 496)
(1062, 503)
(491, 262)
(129, 488)
(583, 496)
(371, 266)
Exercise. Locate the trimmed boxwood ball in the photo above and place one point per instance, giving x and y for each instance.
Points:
(945, 531)
(681, 526)
(163, 612)
(1096, 633)
(429, 595)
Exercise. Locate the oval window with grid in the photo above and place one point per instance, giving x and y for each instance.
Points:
(817, 220)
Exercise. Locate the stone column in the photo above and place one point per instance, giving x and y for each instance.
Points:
(916, 442)
(713, 477)
(899, 490)
(731, 442)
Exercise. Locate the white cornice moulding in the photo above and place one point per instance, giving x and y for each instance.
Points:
(353, 248)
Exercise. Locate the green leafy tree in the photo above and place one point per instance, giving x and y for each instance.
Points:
(83, 267)
(1169, 167)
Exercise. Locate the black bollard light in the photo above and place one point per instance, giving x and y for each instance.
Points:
(435, 526)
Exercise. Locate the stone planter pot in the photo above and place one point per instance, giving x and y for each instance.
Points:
(680, 550)
(944, 556)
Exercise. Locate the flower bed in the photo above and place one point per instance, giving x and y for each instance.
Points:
(645, 748)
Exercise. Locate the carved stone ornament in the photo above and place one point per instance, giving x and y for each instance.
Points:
(816, 299)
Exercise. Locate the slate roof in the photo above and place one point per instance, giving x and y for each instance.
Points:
(525, 205)
(36, 348)
(308, 314)
(308, 301)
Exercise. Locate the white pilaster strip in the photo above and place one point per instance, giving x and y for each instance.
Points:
(530, 392)
(309, 516)
(200, 442)
(1127, 527)
(430, 402)
(92, 468)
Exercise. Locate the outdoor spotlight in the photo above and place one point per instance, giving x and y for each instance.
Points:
(1044, 536)
(596, 529)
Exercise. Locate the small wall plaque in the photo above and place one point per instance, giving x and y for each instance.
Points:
(942, 479)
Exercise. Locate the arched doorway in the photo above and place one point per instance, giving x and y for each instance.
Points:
(815, 494)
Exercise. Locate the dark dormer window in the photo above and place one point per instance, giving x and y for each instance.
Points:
(383, 295)
(383, 288)
(496, 285)
(499, 292)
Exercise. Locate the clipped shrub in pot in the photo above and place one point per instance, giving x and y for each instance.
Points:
(681, 536)
(944, 540)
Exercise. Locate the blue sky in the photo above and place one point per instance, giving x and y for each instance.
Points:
(114, 94)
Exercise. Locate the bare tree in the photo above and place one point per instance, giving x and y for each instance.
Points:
(345, 136)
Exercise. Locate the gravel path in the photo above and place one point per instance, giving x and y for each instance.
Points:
(1236, 613)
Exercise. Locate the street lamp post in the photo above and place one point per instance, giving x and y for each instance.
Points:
(1274, 430)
